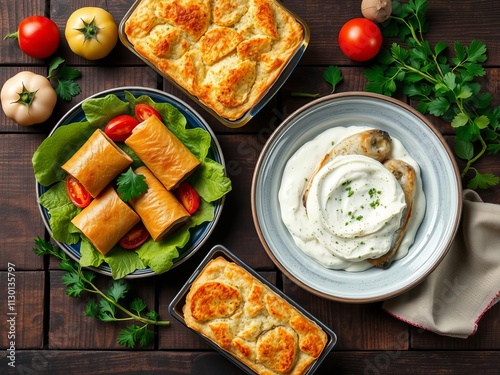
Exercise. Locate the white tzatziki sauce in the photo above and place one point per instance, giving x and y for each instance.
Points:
(354, 204)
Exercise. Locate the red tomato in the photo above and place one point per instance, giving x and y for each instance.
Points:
(188, 196)
(135, 237)
(78, 195)
(144, 111)
(38, 36)
(360, 39)
(120, 127)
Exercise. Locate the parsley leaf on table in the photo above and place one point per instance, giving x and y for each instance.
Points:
(332, 75)
(445, 88)
(131, 185)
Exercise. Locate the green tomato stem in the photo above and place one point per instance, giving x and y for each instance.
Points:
(12, 36)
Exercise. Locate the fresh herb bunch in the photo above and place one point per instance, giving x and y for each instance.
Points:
(107, 305)
(446, 89)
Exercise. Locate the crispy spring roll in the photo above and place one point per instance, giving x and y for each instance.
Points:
(105, 220)
(97, 163)
(159, 209)
(162, 152)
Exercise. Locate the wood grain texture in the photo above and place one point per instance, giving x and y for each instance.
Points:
(22, 323)
(211, 363)
(20, 216)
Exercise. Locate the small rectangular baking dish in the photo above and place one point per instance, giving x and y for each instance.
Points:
(175, 308)
(264, 99)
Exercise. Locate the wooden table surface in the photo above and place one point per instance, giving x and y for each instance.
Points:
(52, 335)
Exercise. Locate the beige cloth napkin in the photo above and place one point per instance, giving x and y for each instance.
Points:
(454, 297)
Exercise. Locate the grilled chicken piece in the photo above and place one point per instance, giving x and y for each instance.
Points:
(376, 144)
(405, 174)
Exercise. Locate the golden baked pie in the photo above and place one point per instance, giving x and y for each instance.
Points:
(225, 52)
(247, 319)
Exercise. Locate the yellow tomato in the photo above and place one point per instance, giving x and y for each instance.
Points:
(91, 32)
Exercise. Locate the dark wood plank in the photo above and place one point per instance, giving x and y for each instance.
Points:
(235, 229)
(358, 326)
(485, 338)
(22, 323)
(212, 363)
(20, 216)
(69, 328)
(411, 362)
(447, 24)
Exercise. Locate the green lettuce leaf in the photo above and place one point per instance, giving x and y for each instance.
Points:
(99, 111)
(55, 150)
(209, 180)
(122, 262)
(61, 211)
(90, 256)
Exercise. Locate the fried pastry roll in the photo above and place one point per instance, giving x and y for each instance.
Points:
(106, 220)
(97, 162)
(162, 152)
(158, 208)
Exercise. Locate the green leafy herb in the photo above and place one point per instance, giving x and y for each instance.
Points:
(108, 306)
(445, 88)
(332, 75)
(131, 185)
(64, 76)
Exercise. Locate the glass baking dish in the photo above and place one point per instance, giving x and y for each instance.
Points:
(175, 308)
(265, 97)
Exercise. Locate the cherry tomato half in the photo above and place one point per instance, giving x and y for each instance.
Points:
(144, 111)
(38, 36)
(188, 196)
(78, 195)
(120, 127)
(135, 237)
(360, 39)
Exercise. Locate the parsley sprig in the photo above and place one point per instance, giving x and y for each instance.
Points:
(107, 307)
(64, 77)
(131, 185)
(446, 88)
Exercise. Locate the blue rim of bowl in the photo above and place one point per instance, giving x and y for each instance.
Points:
(263, 231)
(198, 235)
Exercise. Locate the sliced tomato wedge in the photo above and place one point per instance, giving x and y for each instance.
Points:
(77, 193)
(188, 196)
(144, 111)
(120, 127)
(135, 237)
